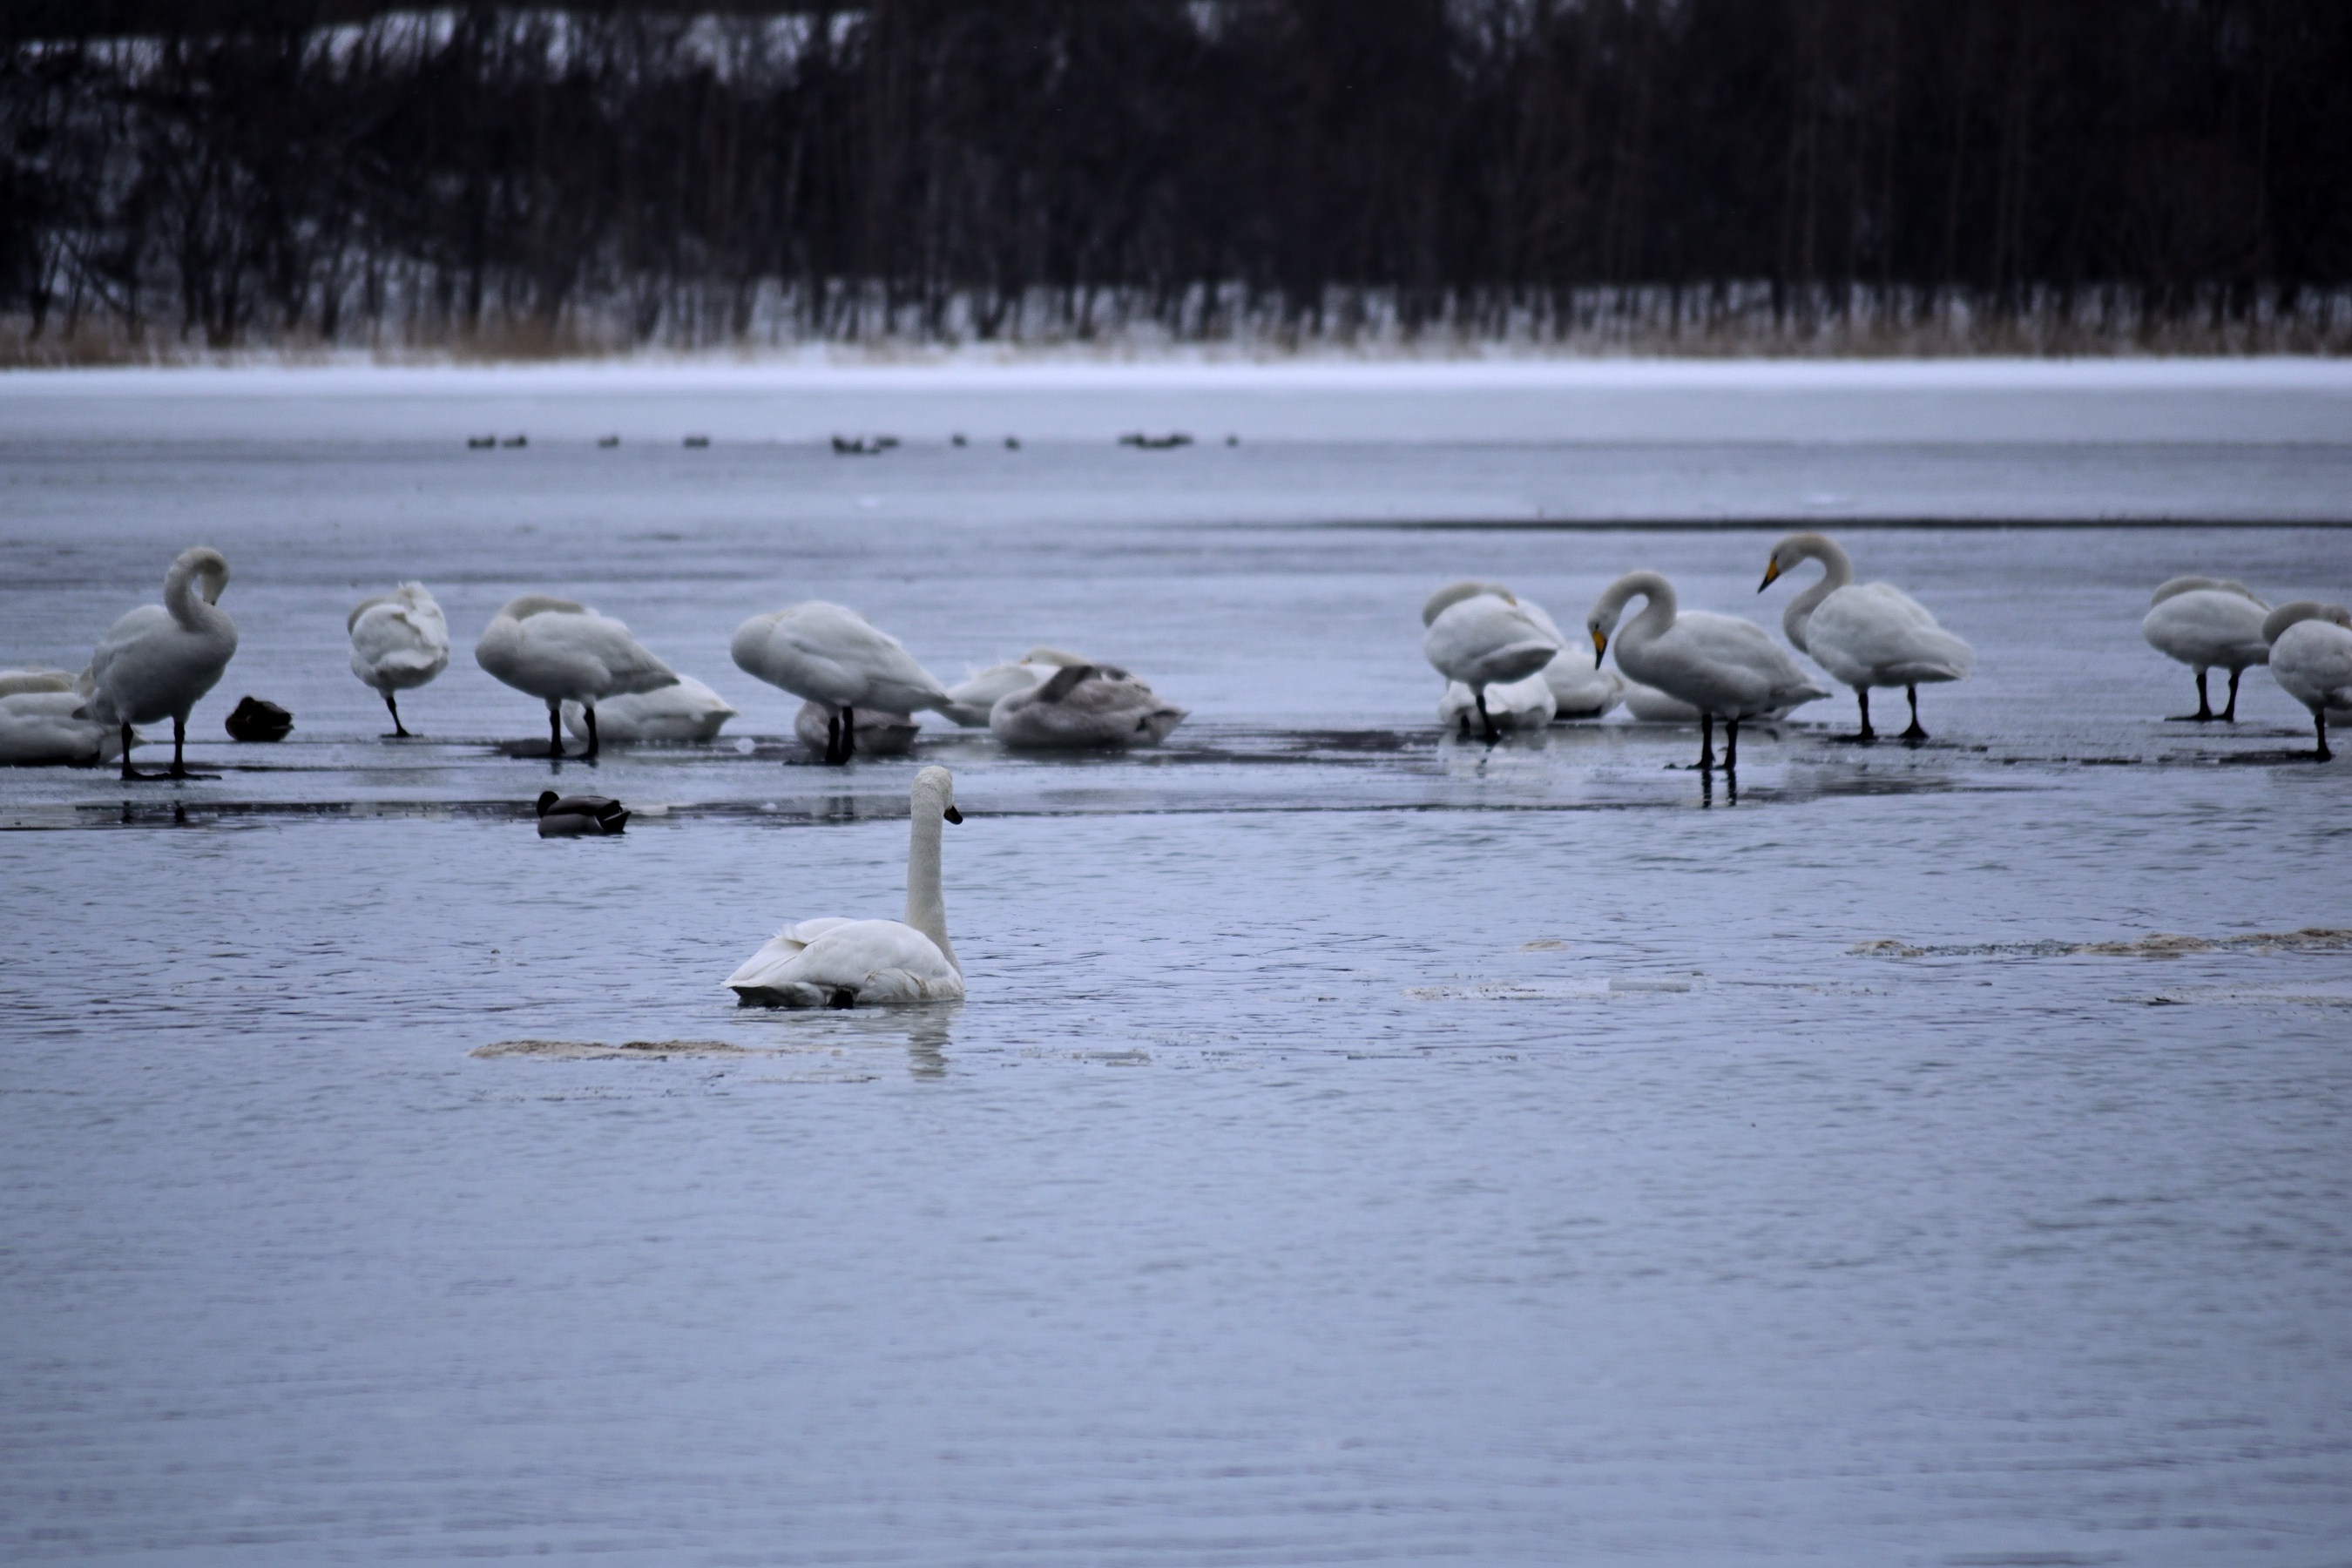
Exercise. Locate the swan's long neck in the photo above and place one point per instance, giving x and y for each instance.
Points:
(195, 580)
(1837, 572)
(927, 912)
(1657, 614)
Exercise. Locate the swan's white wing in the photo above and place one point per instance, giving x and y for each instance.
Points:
(1485, 640)
(1876, 635)
(1578, 689)
(688, 710)
(968, 704)
(394, 648)
(42, 727)
(867, 963)
(2207, 627)
(831, 654)
(1099, 710)
(149, 667)
(13, 681)
(2312, 661)
(1719, 664)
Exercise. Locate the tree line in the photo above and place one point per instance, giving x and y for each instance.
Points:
(973, 170)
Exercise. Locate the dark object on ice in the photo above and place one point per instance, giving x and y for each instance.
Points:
(608, 440)
(515, 441)
(254, 719)
(1232, 441)
(698, 440)
(1155, 443)
(1013, 443)
(864, 445)
(579, 816)
(480, 443)
(957, 438)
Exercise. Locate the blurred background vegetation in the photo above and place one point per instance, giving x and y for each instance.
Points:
(1674, 176)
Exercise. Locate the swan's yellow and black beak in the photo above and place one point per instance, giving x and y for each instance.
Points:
(1771, 575)
(1600, 644)
(952, 815)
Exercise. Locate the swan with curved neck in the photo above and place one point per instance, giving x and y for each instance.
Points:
(156, 661)
(1480, 634)
(1866, 634)
(838, 962)
(1726, 668)
(2311, 659)
(2207, 622)
(560, 651)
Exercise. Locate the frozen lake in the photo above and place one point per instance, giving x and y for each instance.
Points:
(1358, 1145)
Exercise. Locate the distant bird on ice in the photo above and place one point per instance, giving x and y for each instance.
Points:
(400, 641)
(156, 661)
(561, 652)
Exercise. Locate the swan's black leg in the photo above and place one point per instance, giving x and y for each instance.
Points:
(128, 771)
(1914, 732)
(2204, 707)
(1706, 741)
(554, 731)
(2319, 723)
(849, 733)
(832, 737)
(589, 709)
(1730, 744)
(1862, 700)
(1484, 718)
(399, 730)
(2229, 714)
(179, 747)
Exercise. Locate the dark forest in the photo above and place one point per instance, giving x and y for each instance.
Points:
(1951, 173)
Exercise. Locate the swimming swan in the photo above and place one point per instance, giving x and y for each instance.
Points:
(400, 640)
(831, 656)
(1081, 706)
(2311, 659)
(688, 710)
(1481, 635)
(836, 962)
(1726, 668)
(157, 660)
(563, 652)
(2204, 622)
(1866, 635)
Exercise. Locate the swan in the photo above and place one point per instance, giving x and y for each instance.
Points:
(877, 734)
(2311, 659)
(1479, 635)
(1866, 634)
(1726, 668)
(157, 660)
(688, 710)
(579, 816)
(830, 656)
(1524, 704)
(2203, 622)
(836, 962)
(1581, 689)
(563, 652)
(970, 703)
(1083, 705)
(399, 640)
(45, 719)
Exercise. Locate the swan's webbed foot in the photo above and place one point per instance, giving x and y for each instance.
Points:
(2204, 714)
(1915, 734)
(2319, 723)
(399, 730)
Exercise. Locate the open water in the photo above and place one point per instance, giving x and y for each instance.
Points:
(1358, 1145)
